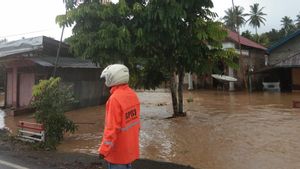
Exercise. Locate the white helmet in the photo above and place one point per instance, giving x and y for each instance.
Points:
(115, 74)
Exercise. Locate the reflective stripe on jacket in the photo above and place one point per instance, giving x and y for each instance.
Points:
(120, 142)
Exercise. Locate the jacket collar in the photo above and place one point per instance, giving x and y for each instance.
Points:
(121, 86)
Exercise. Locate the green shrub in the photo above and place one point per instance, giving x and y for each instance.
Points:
(51, 100)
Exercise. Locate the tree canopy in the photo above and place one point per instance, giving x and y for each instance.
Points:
(155, 38)
(234, 17)
(287, 25)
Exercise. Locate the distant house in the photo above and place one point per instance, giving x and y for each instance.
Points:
(27, 61)
(283, 63)
(251, 60)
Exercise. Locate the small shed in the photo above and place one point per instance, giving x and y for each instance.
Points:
(29, 60)
(283, 62)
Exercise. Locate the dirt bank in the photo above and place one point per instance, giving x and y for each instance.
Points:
(17, 150)
(12, 148)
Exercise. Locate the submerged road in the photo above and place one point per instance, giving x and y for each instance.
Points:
(9, 165)
(9, 160)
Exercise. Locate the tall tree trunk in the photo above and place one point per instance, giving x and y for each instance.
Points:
(240, 46)
(180, 91)
(256, 31)
(173, 94)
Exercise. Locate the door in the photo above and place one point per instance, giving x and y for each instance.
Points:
(26, 82)
(9, 89)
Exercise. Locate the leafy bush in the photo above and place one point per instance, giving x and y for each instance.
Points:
(51, 100)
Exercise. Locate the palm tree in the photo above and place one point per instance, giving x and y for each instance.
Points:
(298, 21)
(256, 16)
(234, 18)
(287, 24)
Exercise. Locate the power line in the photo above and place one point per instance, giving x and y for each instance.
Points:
(25, 33)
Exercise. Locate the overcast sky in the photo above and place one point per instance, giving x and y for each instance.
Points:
(29, 18)
(275, 10)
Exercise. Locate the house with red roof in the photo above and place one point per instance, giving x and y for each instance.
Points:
(251, 58)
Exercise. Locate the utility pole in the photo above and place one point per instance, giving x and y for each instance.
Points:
(237, 27)
(58, 50)
(60, 42)
(239, 41)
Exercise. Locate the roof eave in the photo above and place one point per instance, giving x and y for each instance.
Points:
(282, 41)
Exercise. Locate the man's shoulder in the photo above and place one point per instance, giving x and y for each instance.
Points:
(122, 95)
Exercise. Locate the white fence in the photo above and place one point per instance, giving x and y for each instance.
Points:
(31, 132)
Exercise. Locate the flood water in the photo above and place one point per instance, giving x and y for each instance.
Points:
(221, 131)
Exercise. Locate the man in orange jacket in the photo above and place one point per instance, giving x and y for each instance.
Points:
(120, 142)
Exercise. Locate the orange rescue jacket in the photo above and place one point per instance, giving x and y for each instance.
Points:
(120, 142)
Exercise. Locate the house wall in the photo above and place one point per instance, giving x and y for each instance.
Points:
(14, 86)
(254, 60)
(296, 78)
(258, 62)
(26, 83)
(285, 51)
(22, 75)
(13, 69)
(86, 85)
(251, 58)
(186, 79)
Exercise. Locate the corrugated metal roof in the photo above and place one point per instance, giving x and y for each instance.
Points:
(63, 62)
(244, 41)
(283, 41)
(10, 50)
(21, 46)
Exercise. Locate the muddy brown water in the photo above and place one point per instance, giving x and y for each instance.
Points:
(221, 131)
